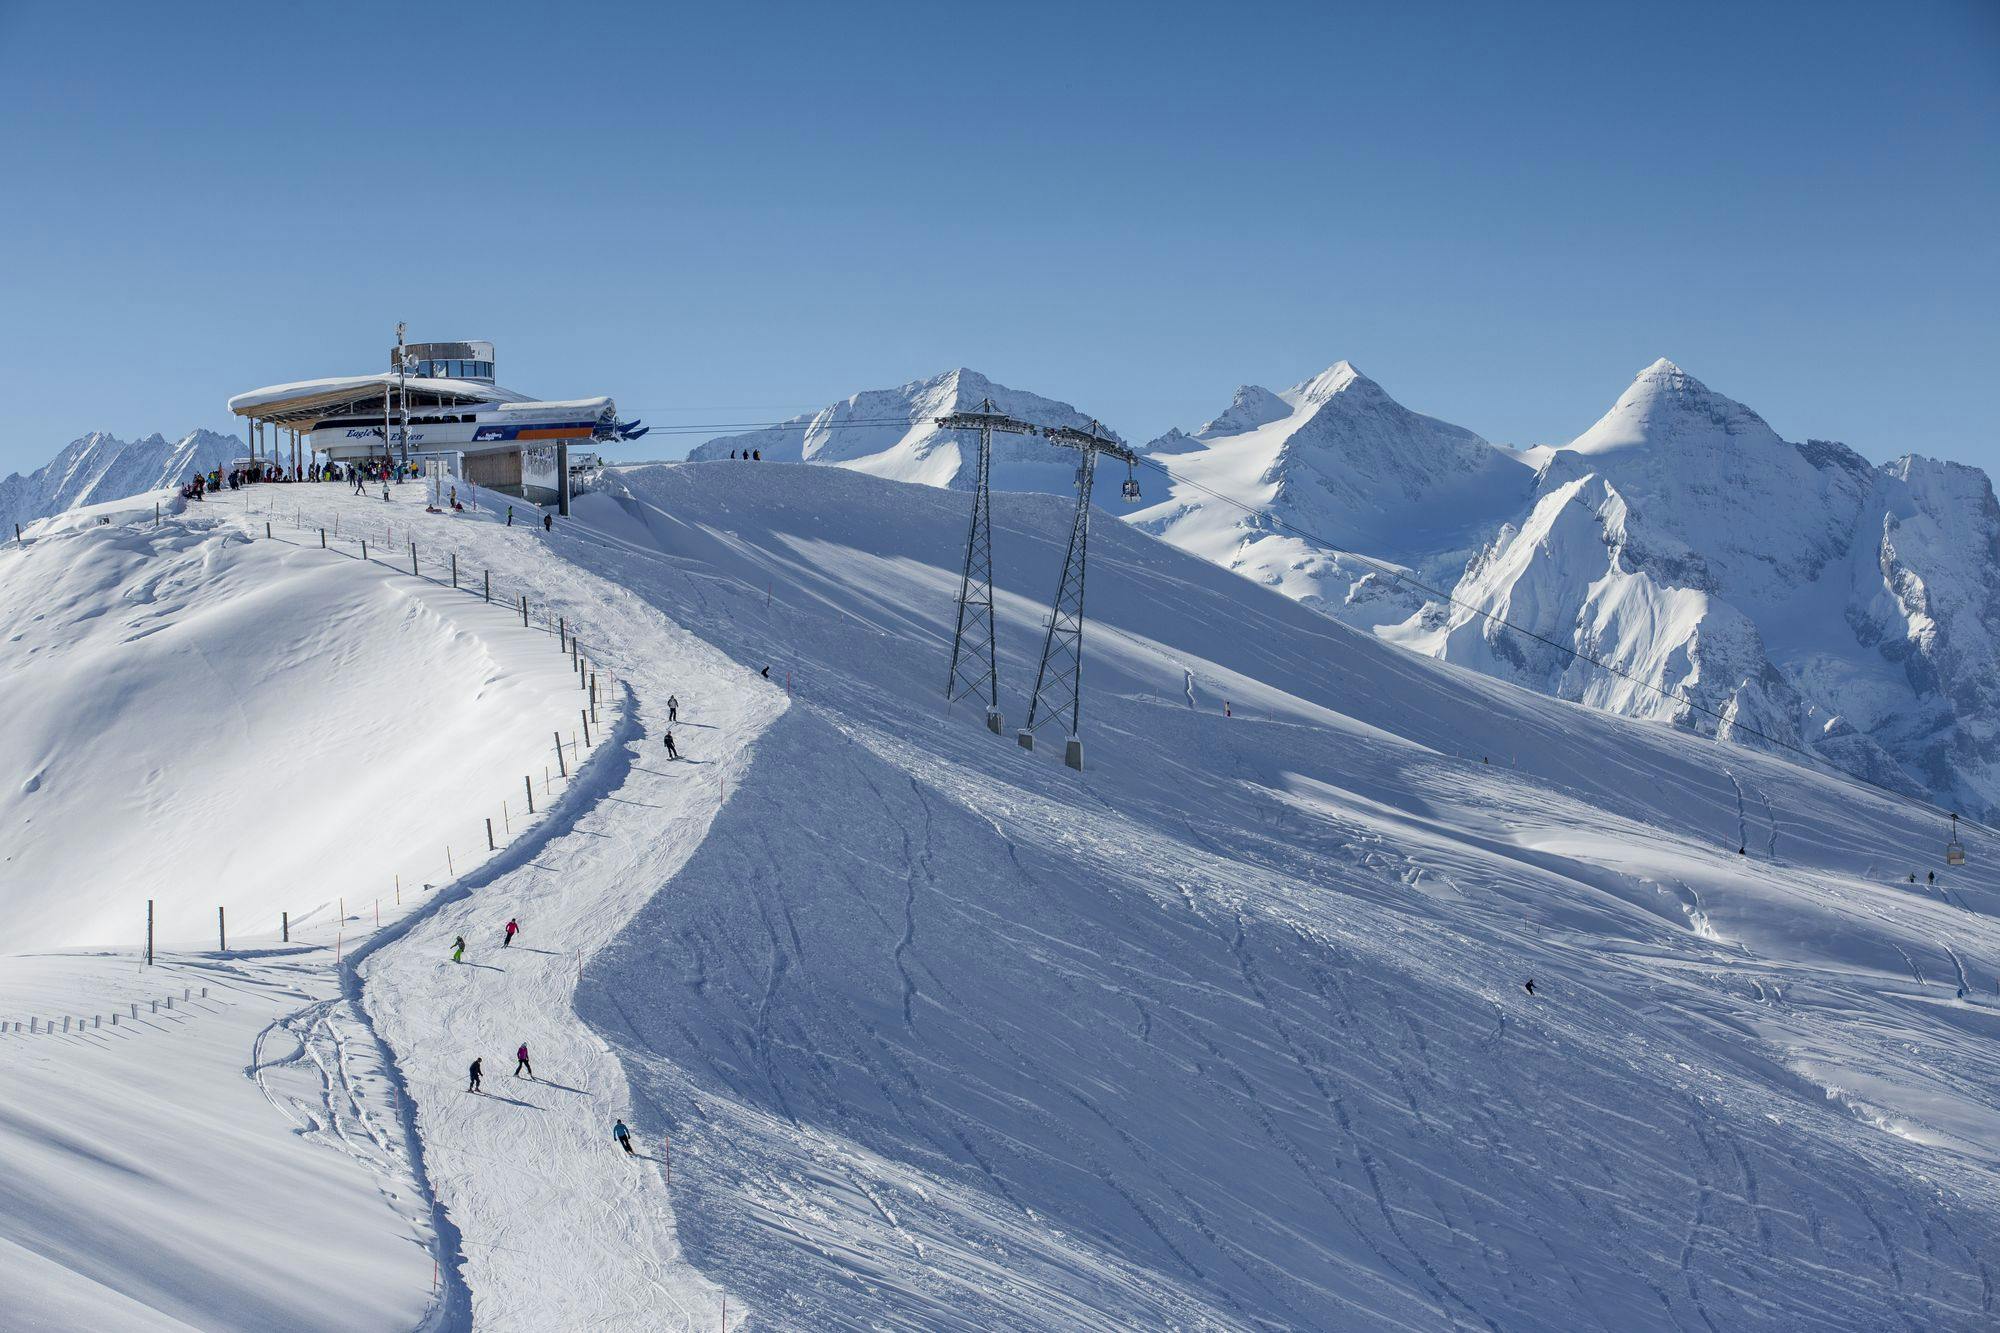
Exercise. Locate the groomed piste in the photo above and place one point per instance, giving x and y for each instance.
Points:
(917, 1029)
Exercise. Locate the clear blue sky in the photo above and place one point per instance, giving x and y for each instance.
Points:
(734, 212)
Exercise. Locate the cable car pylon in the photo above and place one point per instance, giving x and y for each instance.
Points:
(974, 650)
(1058, 695)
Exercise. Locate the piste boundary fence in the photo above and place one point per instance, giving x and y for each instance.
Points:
(439, 564)
(136, 1014)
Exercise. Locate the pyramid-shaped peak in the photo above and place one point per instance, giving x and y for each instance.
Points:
(1667, 407)
(1340, 377)
(1665, 380)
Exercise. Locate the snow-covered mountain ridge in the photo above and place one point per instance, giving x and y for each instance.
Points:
(892, 433)
(1795, 589)
(1802, 593)
(99, 466)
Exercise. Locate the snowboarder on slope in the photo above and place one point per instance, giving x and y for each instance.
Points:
(473, 1086)
(624, 1137)
(672, 752)
(458, 950)
(1529, 985)
(673, 708)
(521, 1062)
(513, 927)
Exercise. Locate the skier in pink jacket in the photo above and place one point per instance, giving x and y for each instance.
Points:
(521, 1062)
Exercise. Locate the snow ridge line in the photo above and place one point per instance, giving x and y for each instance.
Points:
(545, 626)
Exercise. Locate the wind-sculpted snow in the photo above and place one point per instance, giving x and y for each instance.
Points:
(1229, 1031)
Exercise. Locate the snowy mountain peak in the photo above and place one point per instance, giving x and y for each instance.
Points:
(1250, 407)
(893, 433)
(1340, 377)
(99, 466)
(1666, 406)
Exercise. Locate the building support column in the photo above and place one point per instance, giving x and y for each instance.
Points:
(562, 477)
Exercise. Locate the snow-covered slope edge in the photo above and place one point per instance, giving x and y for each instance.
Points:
(1230, 1030)
(199, 722)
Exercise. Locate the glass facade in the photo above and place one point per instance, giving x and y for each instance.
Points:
(451, 369)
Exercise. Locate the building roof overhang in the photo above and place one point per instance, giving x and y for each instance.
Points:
(304, 402)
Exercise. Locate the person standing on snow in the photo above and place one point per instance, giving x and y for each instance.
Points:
(672, 752)
(548, 523)
(473, 1086)
(1529, 985)
(512, 927)
(624, 1137)
(458, 950)
(673, 708)
(521, 1062)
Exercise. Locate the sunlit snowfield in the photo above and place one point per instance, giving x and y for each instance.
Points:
(1227, 1031)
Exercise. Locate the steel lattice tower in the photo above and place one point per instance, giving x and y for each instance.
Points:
(1058, 695)
(974, 646)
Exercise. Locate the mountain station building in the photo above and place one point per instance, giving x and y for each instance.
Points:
(437, 401)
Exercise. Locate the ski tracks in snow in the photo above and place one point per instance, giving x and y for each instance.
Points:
(526, 1179)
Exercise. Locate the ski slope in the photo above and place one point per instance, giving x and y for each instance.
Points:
(1229, 1031)
(1226, 1032)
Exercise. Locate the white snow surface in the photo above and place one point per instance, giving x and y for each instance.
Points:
(1337, 457)
(892, 433)
(1227, 1031)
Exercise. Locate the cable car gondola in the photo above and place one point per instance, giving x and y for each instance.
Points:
(1130, 490)
(1954, 851)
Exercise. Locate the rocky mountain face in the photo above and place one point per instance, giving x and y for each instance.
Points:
(1752, 587)
(99, 467)
(893, 433)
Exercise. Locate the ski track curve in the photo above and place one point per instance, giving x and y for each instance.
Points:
(530, 1169)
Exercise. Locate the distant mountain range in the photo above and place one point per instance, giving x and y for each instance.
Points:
(1789, 590)
(1732, 581)
(99, 466)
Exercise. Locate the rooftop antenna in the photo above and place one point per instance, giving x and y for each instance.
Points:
(402, 389)
(1058, 692)
(974, 668)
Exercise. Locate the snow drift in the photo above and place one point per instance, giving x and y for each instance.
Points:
(199, 719)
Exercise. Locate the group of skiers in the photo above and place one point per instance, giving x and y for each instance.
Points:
(753, 455)
(523, 1066)
(620, 1132)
